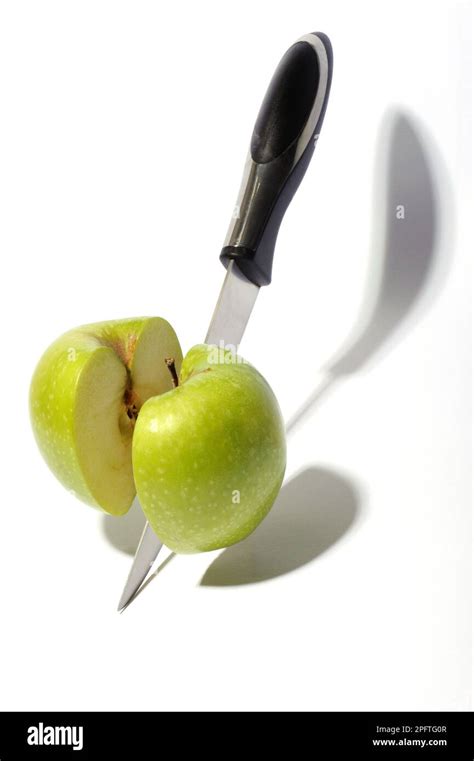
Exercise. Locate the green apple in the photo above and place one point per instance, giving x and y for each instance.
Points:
(209, 456)
(86, 393)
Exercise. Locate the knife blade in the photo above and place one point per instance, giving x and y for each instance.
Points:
(282, 144)
(228, 323)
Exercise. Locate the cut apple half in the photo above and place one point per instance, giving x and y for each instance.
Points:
(85, 396)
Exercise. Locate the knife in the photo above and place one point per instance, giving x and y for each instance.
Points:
(282, 143)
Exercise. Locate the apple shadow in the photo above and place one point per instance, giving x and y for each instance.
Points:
(412, 237)
(313, 511)
(124, 532)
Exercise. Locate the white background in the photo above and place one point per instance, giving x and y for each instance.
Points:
(123, 132)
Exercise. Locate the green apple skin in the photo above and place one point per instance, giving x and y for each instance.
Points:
(209, 456)
(85, 394)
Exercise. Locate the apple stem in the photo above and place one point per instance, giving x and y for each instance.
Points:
(170, 364)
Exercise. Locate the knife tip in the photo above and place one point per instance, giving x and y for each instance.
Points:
(125, 599)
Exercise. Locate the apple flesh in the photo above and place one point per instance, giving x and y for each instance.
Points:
(85, 396)
(209, 456)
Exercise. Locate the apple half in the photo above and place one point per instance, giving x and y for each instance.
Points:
(85, 396)
(209, 456)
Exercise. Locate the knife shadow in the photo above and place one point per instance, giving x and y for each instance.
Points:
(313, 511)
(412, 238)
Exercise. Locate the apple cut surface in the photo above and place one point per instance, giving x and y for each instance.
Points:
(85, 395)
(209, 456)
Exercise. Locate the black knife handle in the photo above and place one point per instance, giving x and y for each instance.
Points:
(281, 147)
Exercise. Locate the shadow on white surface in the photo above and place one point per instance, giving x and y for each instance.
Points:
(313, 511)
(124, 532)
(410, 249)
